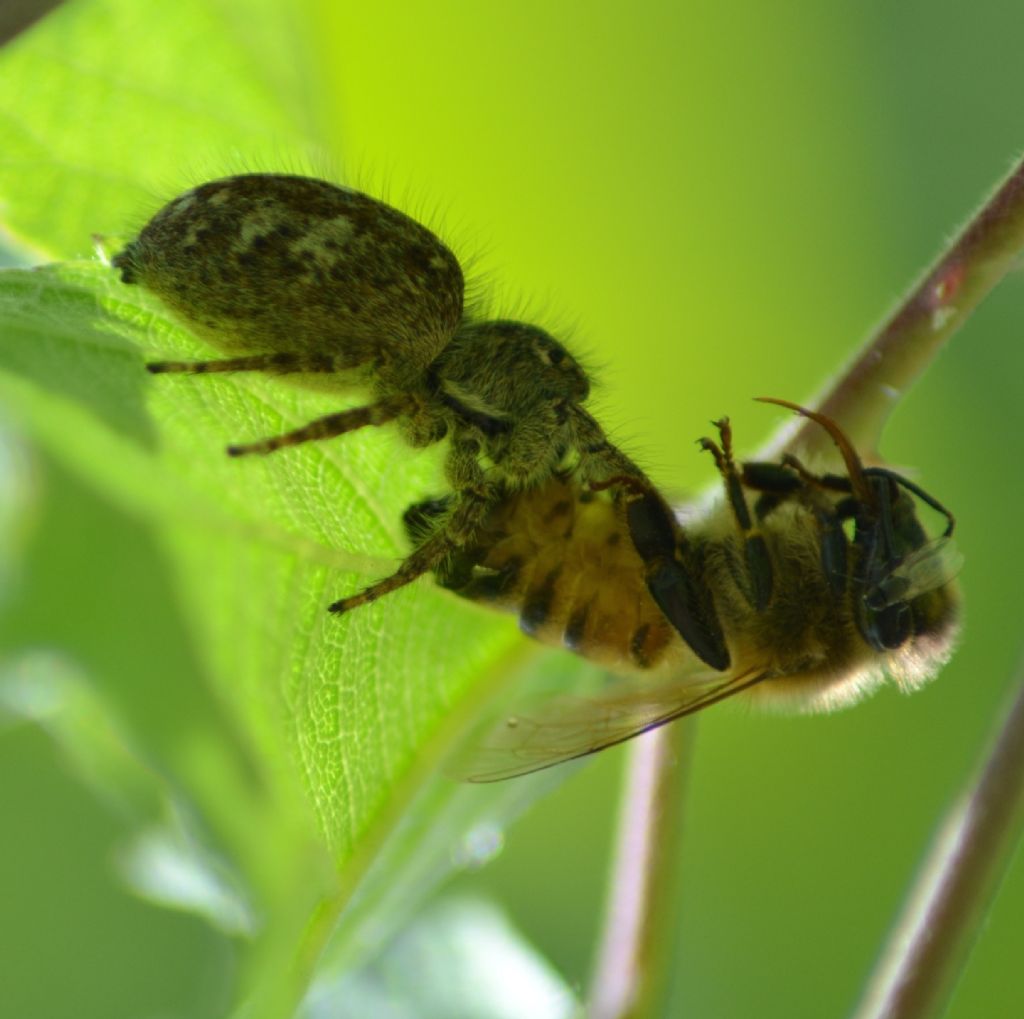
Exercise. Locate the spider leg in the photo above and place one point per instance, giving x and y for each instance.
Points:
(281, 363)
(331, 425)
(473, 498)
(468, 514)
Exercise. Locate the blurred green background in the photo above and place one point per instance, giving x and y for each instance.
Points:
(716, 202)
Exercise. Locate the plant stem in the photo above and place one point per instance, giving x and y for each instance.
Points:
(631, 961)
(930, 943)
(870, 387)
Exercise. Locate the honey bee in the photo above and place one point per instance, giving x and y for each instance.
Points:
(291, 275)
(817, 586)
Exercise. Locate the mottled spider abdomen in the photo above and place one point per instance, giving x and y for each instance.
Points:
(268, 263)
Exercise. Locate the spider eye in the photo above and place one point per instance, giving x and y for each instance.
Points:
(548, 350)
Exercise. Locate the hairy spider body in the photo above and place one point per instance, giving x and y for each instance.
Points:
(293, 275)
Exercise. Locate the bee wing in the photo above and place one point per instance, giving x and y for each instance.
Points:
(931, 566)
(566, 727)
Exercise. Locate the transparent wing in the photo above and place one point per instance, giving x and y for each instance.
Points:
(566, 727)
(931, 566)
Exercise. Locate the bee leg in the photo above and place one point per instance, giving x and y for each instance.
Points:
(670, 566)
(281, 363)
(781, 482)
(776, 482)
(331, 425)
(787, 478)
(759, 573)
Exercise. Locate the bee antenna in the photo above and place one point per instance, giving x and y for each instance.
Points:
(854, 467)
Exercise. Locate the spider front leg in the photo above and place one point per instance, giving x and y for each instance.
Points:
(473, 499)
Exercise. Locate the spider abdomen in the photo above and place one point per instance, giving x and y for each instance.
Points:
(283, 264)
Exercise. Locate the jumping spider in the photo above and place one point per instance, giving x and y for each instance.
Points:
(294, 275)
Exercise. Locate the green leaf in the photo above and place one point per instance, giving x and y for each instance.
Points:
(312, 762)
(350, 716)
(92, 127)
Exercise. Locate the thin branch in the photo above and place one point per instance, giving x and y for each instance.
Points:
(18, 15)
(631, 961)
(860, 399)
(930, 944)
(896, 356)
